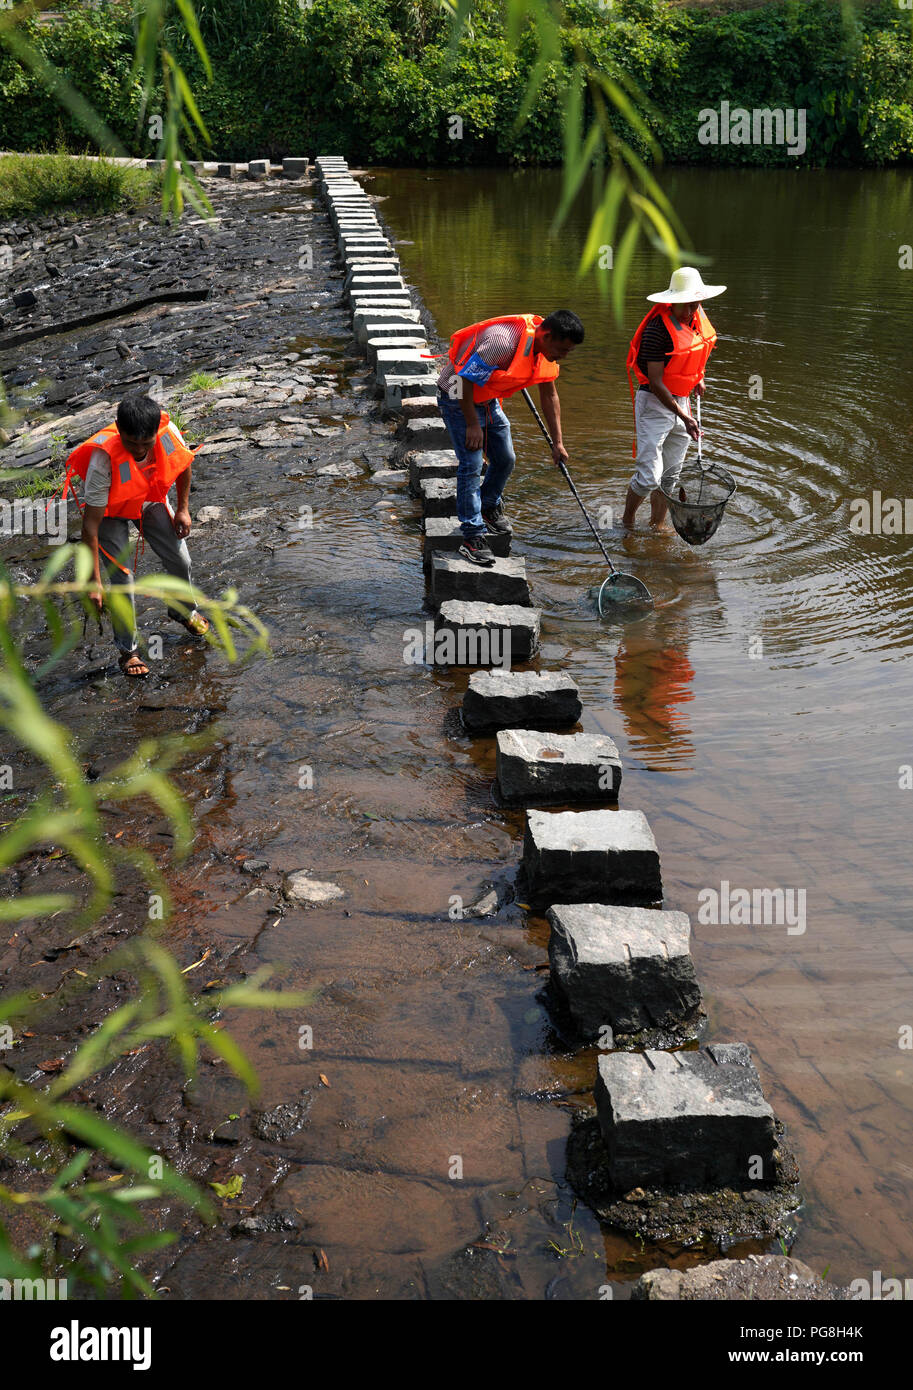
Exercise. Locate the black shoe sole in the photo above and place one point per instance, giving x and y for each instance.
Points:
(475, 559)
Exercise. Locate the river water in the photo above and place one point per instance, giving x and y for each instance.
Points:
(761, 711)
(437, 1098)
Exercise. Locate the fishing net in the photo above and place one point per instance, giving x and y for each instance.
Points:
(697, 500)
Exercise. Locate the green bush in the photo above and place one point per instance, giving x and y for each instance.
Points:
(377, 80)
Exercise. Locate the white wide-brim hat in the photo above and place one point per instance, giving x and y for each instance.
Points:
(686, 286)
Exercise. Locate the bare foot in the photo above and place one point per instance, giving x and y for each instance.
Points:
(133, 666)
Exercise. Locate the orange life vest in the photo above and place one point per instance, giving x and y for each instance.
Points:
(691, 347)
(133, 484)
(527, 368)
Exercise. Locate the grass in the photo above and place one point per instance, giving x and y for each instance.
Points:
(38, 487)
(32, 185)
(204, 381)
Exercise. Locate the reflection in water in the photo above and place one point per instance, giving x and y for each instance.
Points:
(651, 683)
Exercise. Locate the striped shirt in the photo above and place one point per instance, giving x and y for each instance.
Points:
(655, 346)
(496, 346)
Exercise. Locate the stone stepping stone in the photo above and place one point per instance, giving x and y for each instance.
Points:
(444, 533)
(368, 324)
(558, 768)
(590, 857)
(401, 362)
(355, 203)
(695, 1118)
(397, 388)
(374, 282)
(488, 634)
(520, 700)
(357, 266)
(365, 243)
(439, 496)
(505, 581)
(414, 407)
(628, 968)
(427, 432)
(413, 339)
(368, 304)
(294, 167)
(431, 463)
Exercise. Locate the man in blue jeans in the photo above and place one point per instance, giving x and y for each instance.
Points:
(487, 362)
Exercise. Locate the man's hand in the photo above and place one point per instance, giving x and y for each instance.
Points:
(97, 597)
(700, 388)
(473, 434)
(181, 523)
(559, 454)
(691, 427)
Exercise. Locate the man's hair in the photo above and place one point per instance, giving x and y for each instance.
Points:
(139, 417)
(565, 325)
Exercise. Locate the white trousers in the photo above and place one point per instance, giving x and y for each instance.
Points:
(662, 443)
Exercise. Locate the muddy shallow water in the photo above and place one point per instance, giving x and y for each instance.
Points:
(430, 1041)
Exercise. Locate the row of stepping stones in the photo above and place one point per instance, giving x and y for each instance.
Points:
(621, 972)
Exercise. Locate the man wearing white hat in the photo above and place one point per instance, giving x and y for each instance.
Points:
(667, 357)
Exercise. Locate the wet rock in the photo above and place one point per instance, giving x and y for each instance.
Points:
(769, 1277)
(426, 432)
(299, 887)
(591, 857)
(626, 967)
(445, 533)
(390, 477)
(520, 699)
(433, 463)
(255, 866)
(452, 577)
(24, 299)
(209, 514)
(438, 496)
(268, 1225)
(486, 634)
(698, 1118)
(283, 1120)
(339, 470)
(559, 768)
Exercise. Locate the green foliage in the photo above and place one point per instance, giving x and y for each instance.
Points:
(381, 80)
(32, 185)
(46, 1135)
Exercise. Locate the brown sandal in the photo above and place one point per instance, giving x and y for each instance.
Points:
(131, 672)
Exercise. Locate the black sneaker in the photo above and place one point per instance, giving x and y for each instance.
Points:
(497, 522)
(475, 548)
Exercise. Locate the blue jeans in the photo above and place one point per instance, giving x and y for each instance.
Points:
(474, 496)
